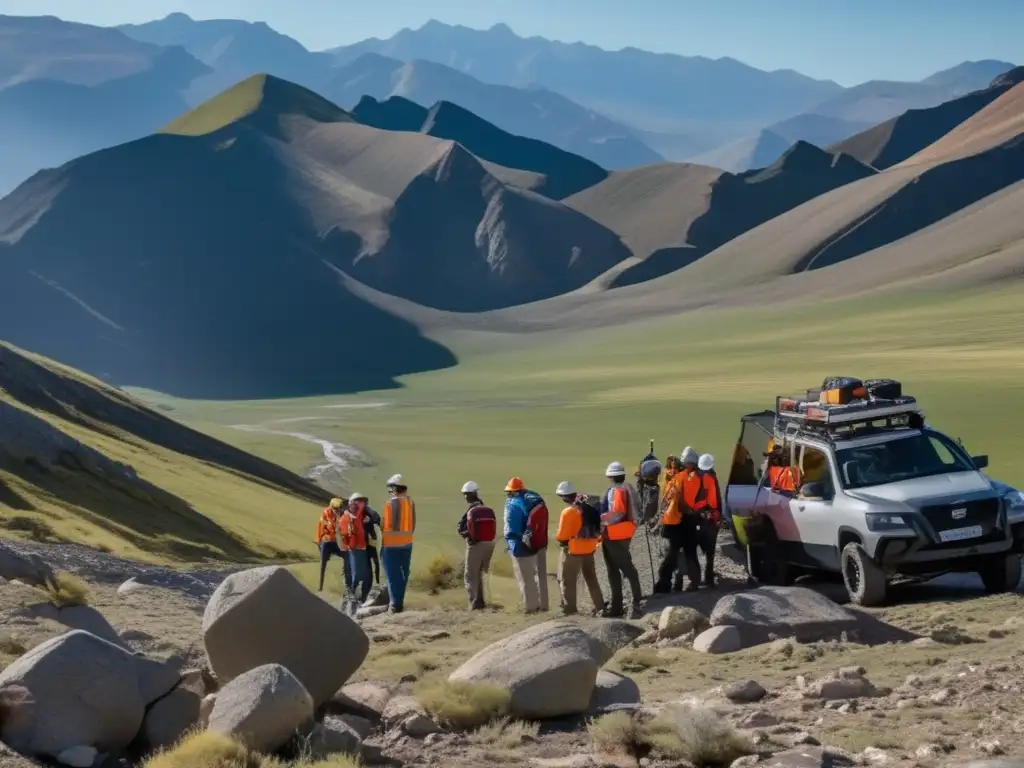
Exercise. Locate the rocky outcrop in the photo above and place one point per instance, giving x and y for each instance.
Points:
(266, 616)
(763, 614)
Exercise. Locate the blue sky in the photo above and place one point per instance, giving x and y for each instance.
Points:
(846, 40)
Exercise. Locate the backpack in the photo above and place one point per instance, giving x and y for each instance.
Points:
(590, 511)
(648, 489)
(536, 535)
(481, 524)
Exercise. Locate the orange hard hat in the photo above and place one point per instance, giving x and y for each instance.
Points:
(515, 484)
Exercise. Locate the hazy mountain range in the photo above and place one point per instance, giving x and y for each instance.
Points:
(609, 107)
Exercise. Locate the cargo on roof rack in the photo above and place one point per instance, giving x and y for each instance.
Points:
(813, 413)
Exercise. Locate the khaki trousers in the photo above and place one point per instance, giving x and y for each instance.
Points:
(532, 577)
(478, 562)
(570, 567)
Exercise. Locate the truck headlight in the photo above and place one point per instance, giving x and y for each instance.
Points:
(1014, 505)
(883, 521)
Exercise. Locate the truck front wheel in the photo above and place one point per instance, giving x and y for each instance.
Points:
(865, 581)
(1001, 573)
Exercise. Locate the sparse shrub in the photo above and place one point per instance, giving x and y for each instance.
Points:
(440, 574)
(464, 706)
(36, 530)
(617, 733)
(697, 736)
(501, 567)
(206, 749)
(638, 659)
(67, 590)
(506, 733)
(12, 645)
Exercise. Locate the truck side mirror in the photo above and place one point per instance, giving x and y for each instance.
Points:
(980, 461)
(812, 491)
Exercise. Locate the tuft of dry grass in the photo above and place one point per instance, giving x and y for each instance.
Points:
(638, 659)
(694, 735)
(440, 575)
(464, 706)
(506, 733)
(206, 749)
(12, 645)
(67, 590)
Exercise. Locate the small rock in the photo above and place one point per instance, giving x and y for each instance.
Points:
(847, 707)
(78, 757)
(993, 747)
(839, 688)
(723, 639)
(433, 739)
(677, 620)
(942, 696)
(399, 709)
(170, 717)
(759, 719)
(419, 726)
(874, 756)
(744, 691)
(932, 751)
(439, 634)
(803, 737)
(906, 704)
(334, 736)
(262, 708)
(745, 762)
(650, 637)
(685, 640)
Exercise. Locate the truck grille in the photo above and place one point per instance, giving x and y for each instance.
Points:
(983, 512)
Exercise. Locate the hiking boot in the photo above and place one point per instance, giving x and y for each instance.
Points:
(395, 609)
(709, 581)
(692, 587)
(636, 612)
(612, 613)
(569, 611)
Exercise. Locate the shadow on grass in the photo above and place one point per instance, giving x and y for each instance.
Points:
(148, 517)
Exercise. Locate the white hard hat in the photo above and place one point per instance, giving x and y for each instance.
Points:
(565, 488)
(395, 480)
(470, 487)
(706, 462)
(615, 469)
(357, 497)
(688, 456)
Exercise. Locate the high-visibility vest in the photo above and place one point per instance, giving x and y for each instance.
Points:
(784, 478)
(353, 530)
(326, 526)
(398, 523)
(671, 513)
(712, 496)
(570, 523)
(694, 491)
(618, 520)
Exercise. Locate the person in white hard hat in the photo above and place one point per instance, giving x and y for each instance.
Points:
(579, 533)
(692, 503)
(353, 530)
(711, 516)
(478, 526)
(397, 529)
(618, 524)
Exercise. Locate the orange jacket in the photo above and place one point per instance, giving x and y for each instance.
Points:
(352, 528)
(398, 522)
(671, 513)
(326, 526)
(785, 479)
(569, 525)
(694, 491)
(618, 520)
(714, 503)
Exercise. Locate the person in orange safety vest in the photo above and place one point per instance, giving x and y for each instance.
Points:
(352, 529)
(398, 526)
(327, 542)
(579, 534)
(711, 516)
(618, 515)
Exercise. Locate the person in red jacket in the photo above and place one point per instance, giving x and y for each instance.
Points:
(478, 526)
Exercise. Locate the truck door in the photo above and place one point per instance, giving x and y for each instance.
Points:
(813, 519)
(756, 429)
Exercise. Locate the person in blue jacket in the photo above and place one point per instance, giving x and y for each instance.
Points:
(531, 577)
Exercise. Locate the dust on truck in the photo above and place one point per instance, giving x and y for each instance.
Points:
(849, 478)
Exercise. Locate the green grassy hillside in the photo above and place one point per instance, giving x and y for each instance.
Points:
(562, 405)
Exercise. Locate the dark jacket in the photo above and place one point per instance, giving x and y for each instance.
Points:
(370, 520)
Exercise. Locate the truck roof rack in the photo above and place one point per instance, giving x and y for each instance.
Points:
(862, 416)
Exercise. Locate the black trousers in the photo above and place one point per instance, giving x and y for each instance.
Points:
(678, 555)
(329, 549)
(707, 541)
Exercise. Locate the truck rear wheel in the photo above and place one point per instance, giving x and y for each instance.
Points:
(865, 581)
(1001, 574)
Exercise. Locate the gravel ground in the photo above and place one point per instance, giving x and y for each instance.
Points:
(100, 567)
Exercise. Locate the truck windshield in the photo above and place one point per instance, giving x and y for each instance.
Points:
(921, 454)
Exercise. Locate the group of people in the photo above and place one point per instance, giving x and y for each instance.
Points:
(686, 512)
(348, 529)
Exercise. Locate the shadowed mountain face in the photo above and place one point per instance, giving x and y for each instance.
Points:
(205, 261)
(895, 140)
(530, 112)
(561, 173)
(672, 215)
